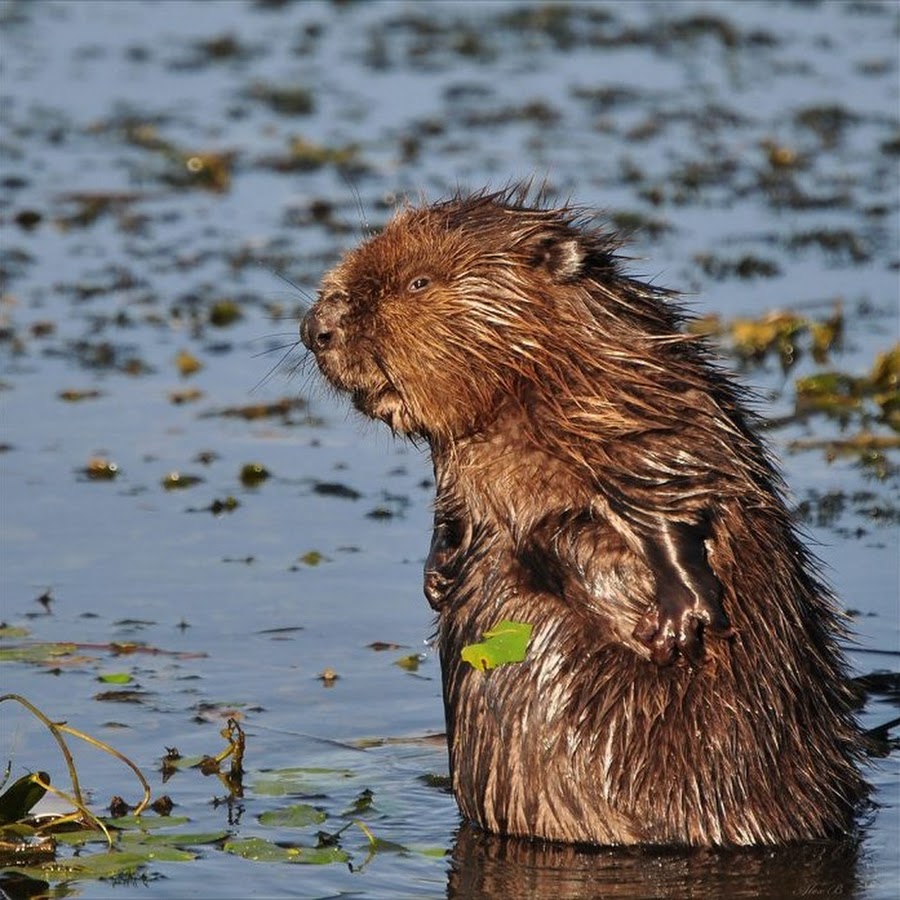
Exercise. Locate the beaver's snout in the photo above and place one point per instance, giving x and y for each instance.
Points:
(321, 327)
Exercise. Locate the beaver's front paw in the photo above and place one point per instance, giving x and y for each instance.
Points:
(675, 626)
(448, 543)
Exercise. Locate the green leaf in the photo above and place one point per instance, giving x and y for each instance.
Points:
(293, 816)
(260, 850)
(322, 856)
(115, 678)
(298, 780)
(145, 823)
(80, 837)
(36, 653)
(410, 663)
(379, 845)
(155, 850)
(175, 839)
(312, 558)
(13, 631)
(18, 799)
(106, 864)
(183, 762)
(506, 642)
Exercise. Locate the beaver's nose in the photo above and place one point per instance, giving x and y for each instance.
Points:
(320, 329)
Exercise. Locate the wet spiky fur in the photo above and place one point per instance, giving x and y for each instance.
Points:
(572, 425)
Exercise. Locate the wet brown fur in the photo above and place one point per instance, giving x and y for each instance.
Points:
(574, 428)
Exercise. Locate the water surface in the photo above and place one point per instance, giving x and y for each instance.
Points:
(160, 159)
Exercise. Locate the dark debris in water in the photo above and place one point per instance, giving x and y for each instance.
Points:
(748, 266)
(336, 489)
(179, 481)
(123, 696)
(99, 468)
(254, 474)
(282, 408)
(837, 243)
(305, 155)
(287, 100)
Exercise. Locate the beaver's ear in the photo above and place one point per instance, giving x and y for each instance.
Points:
(561, 257)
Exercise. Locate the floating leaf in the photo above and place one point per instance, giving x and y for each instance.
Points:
(13, 631)
(105, 864)
(75, 396)
(754, 337)
(99, 468)
(253, 474)
(411, 662)
(780, 333)
(121, 696)
(281, 407)
(297, 780)
(886, 370)
(156, 848)
(298, 816)
(290, 100)
(79, 837)
(194, 839)
(224, 312)
(187, 363)
(175, 481)
(116, 678)
(261, 850)
(825, 335)
(380, 845)
(312, 558)
(506, 642)
(336, 489)
(187, 395)
(145, 823)
(328, 676)
(36, 653)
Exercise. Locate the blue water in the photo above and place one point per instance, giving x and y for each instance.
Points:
(432, 97)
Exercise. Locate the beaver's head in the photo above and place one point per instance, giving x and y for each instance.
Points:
(459, 304)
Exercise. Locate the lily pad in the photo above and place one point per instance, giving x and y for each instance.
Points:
(116, 678)
(297, 780)
(298, 816)
(411, 662)
(260, 850)
(36, 653)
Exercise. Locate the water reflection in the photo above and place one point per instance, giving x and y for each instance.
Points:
(486, 866)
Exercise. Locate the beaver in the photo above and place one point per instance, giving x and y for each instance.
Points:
(599, 478)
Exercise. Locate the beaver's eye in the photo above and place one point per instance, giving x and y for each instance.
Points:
(419, 284)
